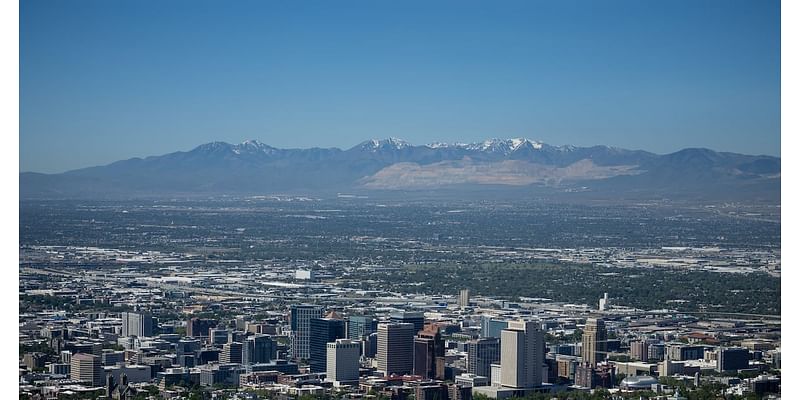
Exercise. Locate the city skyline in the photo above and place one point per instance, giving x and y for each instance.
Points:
(449, 299)
(450, 200)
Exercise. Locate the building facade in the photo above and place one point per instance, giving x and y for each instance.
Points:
(463, 298)
(522, 355)
(300, 324)
(258, 349)
(359, 326)
(491, 327)
(231, 353)
(395, 348)
(732, 359)
(429, 353)
(593, 349)
(197, 327)
(87, 368)
(343, 361)
(137, 324)
(407, 317)
(639, 351)
(322, 332)
(481, 354)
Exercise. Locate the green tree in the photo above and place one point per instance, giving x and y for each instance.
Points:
(577, 335)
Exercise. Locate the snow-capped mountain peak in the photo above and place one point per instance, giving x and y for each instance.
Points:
(385, 164)
(398, 143)
(518, 143)
(251, 146)
(251, 143)
(504, 146)
(388, 143)
(494, 145)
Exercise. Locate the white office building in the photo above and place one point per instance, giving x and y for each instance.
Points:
(522, 354)
(343, 361)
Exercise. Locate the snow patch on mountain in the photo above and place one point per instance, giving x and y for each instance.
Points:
(388, 143)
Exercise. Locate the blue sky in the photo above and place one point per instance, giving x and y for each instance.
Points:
(106, 80)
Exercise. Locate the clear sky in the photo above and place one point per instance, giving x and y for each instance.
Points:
(103, 80)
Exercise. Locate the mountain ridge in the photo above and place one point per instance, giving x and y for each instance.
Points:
(253, 167)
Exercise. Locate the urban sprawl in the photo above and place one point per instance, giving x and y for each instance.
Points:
(105, 323)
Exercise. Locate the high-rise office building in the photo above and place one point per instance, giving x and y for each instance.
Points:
(187, 346)
(231, 353)
(429, 353)
(58, 369)
(639, 350)
(34, 360)
(407, 317)
(236, 336)
(110, 357)
(481, 354)
(656, 351)
(732, 359)
(218, 335)
(65, 356)
(87, 368)
(593, 349)
(463, 298)
(197, 327)
(137, 324)
(343, 361)
(322, 331)
(683, 352)
(491, 327)
(300, 323)
(258, 349)
(369, 345)
(395, 348)
(590, 377)
(359, 326)
(186, 350)
(522, 354)
(603, 304)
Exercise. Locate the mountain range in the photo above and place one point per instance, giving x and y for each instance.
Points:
(513, 166)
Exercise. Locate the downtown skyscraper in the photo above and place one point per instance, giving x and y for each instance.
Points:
(481, 354)
(322, 332)
(395, 348)
(593, 348)
(429, 353)
(522, 354)
(137, 324)
(300, 323)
